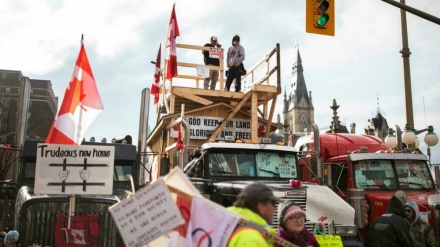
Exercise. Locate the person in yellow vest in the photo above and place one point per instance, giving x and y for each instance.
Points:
(257, 204)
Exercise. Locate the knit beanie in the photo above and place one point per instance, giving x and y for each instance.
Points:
(293, 210)
(10, 235)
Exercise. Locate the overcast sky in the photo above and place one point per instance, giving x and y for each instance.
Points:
(360, 64)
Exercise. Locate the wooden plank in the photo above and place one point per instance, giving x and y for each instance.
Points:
(195, 98)
(272, 111)
(230, 116)
(254, 117)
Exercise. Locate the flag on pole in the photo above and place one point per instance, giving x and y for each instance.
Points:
(173, 32)
(180, 144)
(156, 83)
(81, 105)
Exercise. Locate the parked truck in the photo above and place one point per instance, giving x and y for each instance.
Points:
(34, 215)
(224, 145)
(366, 173)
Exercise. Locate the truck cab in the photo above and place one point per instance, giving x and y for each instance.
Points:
(220, 171)
(365, 172)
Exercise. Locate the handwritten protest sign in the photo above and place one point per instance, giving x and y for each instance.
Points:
(145, 216)
(68, 169)
(216, 52)
(329, 240)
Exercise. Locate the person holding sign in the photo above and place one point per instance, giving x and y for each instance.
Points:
(256, 203)
(292, 226)
(213, 74)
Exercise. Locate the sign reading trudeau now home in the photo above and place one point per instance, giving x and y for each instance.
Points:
(68, 169)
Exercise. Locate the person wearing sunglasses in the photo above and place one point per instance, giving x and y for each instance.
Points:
(292, 226)
(421, 231)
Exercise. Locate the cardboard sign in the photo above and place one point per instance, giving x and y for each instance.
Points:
(68, 169)
(329, 240)
(145, 216)
(215, 52)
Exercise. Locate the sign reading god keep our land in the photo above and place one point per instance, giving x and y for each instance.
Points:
(201, 127)
(68, 169)
(145, 216)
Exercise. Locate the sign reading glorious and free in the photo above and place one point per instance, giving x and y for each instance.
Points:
(201, 127)
(69, 169)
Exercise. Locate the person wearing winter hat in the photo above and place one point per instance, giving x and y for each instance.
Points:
(391, 228)
(11, 239)
(421, 231)
(234, 60)
(292, 226)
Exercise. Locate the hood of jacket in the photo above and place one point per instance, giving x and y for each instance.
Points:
(415, 208)
(395, 206)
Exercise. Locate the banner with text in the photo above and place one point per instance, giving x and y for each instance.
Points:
(69, 169)
(201, 127)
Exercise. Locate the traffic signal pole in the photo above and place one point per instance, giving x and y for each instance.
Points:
(406, 69)
(406, 53)
(414, 11)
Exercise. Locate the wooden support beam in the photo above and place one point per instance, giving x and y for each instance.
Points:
(272, 111)
(254, 117)
(230, 116)
(187, 94)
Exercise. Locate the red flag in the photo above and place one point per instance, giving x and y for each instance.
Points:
(80, 106)
(155, 86)
(180, 145)
(83, 231)
(173, 32)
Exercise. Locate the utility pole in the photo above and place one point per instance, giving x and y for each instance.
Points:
(406, 69)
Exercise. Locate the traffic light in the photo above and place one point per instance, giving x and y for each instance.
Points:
(320, 17)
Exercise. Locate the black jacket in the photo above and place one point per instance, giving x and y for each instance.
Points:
(391, 229)
(208, 60)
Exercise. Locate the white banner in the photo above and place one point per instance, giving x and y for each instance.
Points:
(201, 127)
(216, 52)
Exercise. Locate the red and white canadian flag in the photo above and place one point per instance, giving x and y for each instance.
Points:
(173, 32)
(156, 84)
(81, 105)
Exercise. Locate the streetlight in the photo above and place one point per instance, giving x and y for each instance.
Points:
(369, 128)
(391, 139)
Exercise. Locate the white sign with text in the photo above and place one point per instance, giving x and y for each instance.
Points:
(201, 127)
(145, 216)
(69, 169)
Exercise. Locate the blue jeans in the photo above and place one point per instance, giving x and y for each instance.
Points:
(234, 74)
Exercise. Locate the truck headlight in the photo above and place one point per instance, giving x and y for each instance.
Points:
(346, 230)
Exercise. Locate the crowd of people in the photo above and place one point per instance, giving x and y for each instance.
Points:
(400, 226)
(234, 61)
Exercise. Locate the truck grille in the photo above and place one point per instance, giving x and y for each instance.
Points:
(38, 218)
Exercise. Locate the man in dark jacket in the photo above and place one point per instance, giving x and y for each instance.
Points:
(213, 74)
(391, 229)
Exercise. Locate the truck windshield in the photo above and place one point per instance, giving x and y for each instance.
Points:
(253, 164)
(392, 174)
